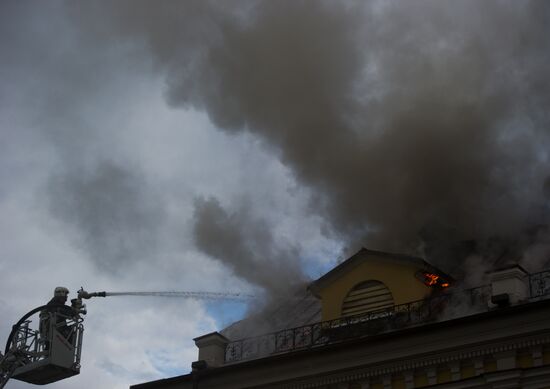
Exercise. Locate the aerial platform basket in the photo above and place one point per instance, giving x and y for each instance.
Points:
(49, 353)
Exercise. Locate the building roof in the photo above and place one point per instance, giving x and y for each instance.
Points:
(450, 329)
(364, 255)
(304, 308)
(446, 337)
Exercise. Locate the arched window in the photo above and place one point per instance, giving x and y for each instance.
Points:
(366, 297)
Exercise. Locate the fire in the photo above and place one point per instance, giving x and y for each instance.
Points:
(433, 279)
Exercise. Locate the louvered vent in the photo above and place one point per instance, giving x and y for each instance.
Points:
(366, 297)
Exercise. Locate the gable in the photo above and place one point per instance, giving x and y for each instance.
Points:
(371, 280)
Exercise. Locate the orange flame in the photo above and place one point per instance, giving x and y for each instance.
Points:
(431, 279)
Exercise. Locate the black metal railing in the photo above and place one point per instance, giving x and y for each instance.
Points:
(441, 307)
(364, 325)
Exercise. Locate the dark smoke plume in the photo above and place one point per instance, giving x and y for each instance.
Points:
(418, 126)
(247, 245)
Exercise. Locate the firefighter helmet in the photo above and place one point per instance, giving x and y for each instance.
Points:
(61, 291)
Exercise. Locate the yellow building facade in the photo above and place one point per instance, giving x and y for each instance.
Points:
(390, 321)
(403, 277)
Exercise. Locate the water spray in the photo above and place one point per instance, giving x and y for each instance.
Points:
(82, 294)
(192, 295)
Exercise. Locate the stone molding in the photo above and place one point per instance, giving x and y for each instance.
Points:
(361, 374)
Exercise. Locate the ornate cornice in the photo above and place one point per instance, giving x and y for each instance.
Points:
(422, 362)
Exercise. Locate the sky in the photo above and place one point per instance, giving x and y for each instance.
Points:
(249, 146)
(99, 180)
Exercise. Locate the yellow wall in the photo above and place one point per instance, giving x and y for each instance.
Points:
(398, 277)
(443, 376)
(467, 372)
(524, 360)
(420, 380)
(398, 383)
(490, 366)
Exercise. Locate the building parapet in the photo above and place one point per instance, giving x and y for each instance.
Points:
(444, 306)
(323, 333)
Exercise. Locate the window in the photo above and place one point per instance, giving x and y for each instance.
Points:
(366, 297)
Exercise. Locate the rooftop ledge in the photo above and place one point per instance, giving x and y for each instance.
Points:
(511, 286)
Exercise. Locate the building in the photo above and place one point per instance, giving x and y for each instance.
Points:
(392, 321)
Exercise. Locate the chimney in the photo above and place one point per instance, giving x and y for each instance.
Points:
(508, 286)
(212, 348)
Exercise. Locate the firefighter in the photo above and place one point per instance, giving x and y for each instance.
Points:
(62, 311)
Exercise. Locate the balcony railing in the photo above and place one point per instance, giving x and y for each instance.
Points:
(353, 327)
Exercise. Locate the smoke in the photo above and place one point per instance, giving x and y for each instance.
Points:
(247, 245)
(114, 214)
(418, 126)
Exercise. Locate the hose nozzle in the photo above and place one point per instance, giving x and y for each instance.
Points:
(82, 294)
